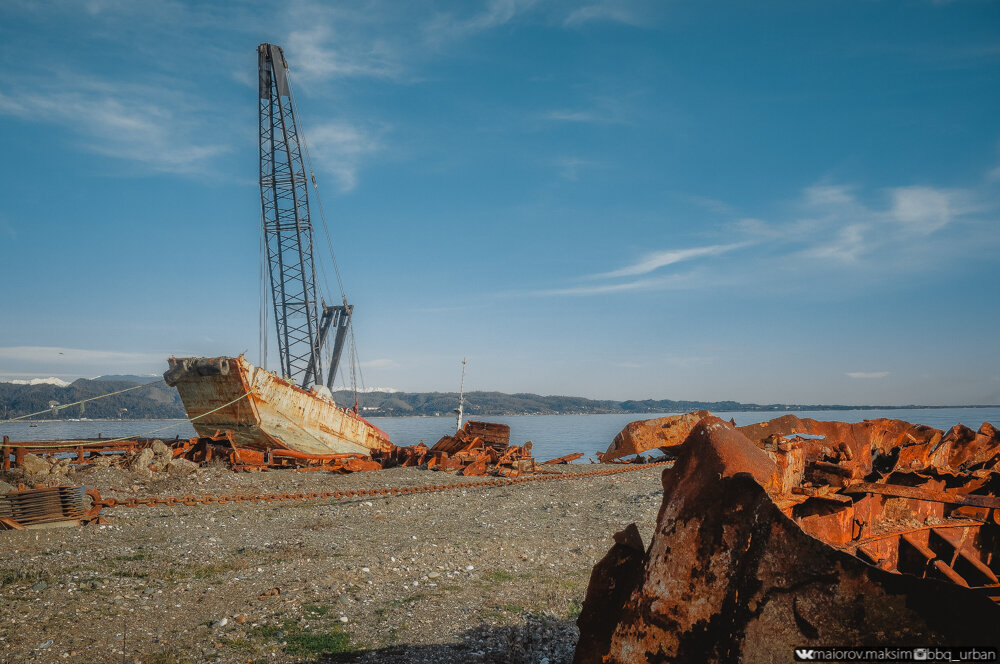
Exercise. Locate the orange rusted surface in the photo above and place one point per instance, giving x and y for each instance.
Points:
(880, 531)
(566, 458)
(664, 433)
(265, 412)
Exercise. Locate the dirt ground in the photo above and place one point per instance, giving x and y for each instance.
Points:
(490, 574)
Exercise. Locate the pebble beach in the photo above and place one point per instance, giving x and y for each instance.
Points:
(483, 574)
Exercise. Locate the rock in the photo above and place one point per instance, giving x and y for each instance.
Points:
(45, 644)
(140, 463)
(6, 488)
(181, 467)
(343, 619)
(35, 465)
(221, 623)
(41, 585)
(242, 618)
(163, 455)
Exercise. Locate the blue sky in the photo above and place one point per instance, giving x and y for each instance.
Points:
(770, 202)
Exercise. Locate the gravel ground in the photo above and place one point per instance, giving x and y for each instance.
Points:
(493, 574)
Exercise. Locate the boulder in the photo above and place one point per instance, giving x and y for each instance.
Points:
(140, 462)
(35, 465)
(161, 449)
(181, 467)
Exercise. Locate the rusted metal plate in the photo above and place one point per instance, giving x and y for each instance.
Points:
(43, 506)
(664, 433)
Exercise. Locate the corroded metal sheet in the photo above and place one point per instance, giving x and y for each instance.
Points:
(765, 543)
(664, 433)
(266, 412)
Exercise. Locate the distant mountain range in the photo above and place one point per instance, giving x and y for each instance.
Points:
(157, 401)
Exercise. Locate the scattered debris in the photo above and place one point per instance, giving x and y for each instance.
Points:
(880, 531)
(477, 449)
(44, 507)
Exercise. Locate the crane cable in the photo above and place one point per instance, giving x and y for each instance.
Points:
(81, 401)
(86, 443)
(355, 367)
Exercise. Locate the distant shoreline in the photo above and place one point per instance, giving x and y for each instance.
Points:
(757, 409)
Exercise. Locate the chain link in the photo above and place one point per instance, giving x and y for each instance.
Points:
(190, 500)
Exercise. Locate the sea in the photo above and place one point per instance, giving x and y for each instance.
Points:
(551, 435)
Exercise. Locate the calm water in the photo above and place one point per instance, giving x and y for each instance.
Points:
(552, 435)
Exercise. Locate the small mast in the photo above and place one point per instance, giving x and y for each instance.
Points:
(461, 398)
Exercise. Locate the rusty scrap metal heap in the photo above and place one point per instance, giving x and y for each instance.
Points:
(796, 533)
(477, 449)
(43, 506)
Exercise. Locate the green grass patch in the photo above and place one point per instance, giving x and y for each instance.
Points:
(209, 570)
(138, 555)
(166, 657)
(245, 645)
(511, 608)
(319, 610)
(573, 610)
(416, 597)
(303, 642)
(498, 576)
(21, 575)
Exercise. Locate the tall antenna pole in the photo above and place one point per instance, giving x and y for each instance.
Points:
(461, 397)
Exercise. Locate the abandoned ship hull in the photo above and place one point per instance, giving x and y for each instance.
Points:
(265, 412)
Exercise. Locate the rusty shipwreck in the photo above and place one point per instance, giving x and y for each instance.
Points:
(265, 412)
(798, 533)
(291, 410)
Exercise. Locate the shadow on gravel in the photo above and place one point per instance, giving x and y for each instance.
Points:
(541, 637)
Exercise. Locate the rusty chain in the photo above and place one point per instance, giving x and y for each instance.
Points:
(190, 500)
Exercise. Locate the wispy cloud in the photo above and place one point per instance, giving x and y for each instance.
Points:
(832, 223)
(7, 229)
(598, 111)
(447, 27)
(62, 361)
(380, 363)
(321, 53)
(839, 234)
(867, 374)
(131, 122)
(922, 210)
(570, 167)
(340, 148)
(847, 245)
(616, 11)
(672, 281)
(657, 259)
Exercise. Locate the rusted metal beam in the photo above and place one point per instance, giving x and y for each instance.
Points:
(895, 490)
